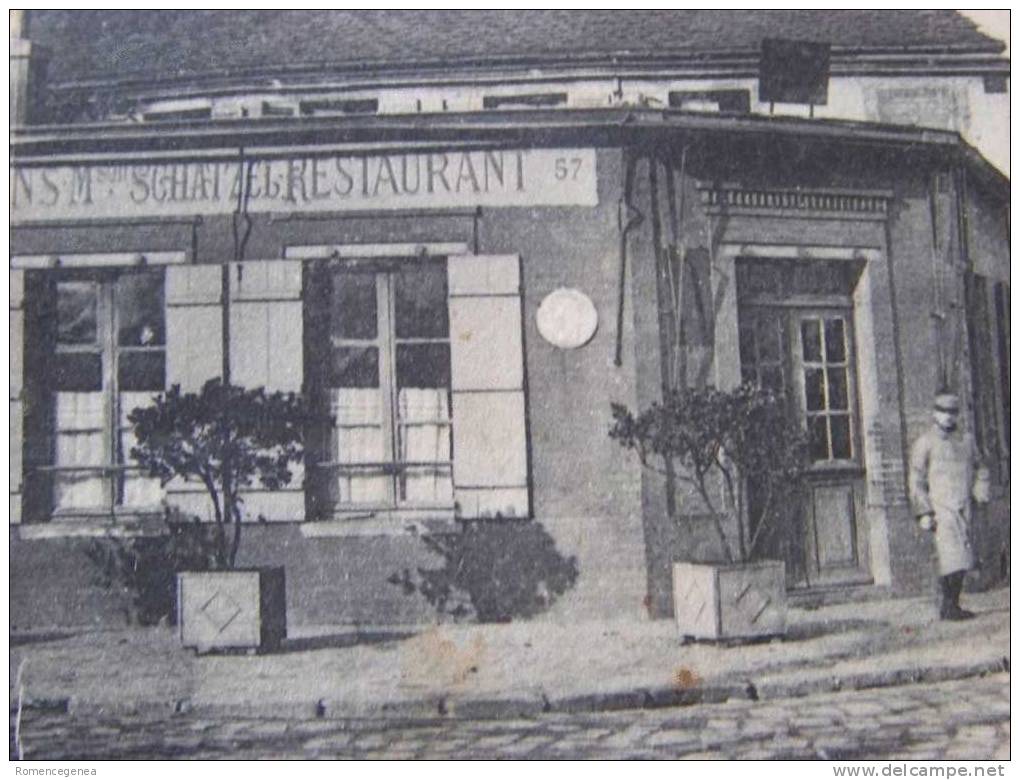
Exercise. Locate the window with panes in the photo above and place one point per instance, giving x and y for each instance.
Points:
(378, 346)
(98, 351)
(796, 339)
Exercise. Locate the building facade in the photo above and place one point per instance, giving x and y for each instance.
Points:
(464, 255)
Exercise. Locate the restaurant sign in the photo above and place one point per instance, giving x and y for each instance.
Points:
(534, 177)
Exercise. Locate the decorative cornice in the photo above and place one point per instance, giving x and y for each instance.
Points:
(733, 198)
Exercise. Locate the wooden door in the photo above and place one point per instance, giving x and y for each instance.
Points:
(807, 354)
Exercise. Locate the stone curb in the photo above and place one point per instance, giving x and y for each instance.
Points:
(433, 708)
(879, 679)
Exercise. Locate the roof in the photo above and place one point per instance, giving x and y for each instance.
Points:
(104, 45)
(98, 143)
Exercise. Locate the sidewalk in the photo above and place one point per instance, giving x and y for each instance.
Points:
(511, 670)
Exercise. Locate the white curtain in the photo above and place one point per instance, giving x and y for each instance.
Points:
(80, 426)
(359, 439)
(424, 421)
(140, 492)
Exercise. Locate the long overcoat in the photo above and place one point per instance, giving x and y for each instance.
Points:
(943, 470)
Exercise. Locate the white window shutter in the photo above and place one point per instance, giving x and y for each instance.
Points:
(17, 403)
(490, 453)
(266, 346)
(194, 325)
(267, 350)
(194, 352)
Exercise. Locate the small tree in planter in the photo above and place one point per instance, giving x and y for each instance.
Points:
(726, 446)
(226, 438)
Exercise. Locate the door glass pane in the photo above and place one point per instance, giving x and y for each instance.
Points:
(353, 306)
(80, 421)
(359, 419)
(141, 370)
(77, 304)
(80, 372)
(360, 438)
(835, 341)
(139, 302)
(423, 365)
(818, 437)
(424, 416)
(420, 302)
(136, 489)
(814, 391)
(840, 424)
(837, 388)
(811, 339)
(354, 367)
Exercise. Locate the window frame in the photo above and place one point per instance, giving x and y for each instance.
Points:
(113, 466)
(800, 364)
(384, 271)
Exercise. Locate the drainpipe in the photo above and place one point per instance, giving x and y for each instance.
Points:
(628, 217)
(27, 72)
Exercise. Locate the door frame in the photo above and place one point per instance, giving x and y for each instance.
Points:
(726, 363)
(806, 569)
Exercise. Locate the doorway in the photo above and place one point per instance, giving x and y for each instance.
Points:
(797, 338)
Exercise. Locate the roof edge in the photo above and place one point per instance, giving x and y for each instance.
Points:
(907, 57)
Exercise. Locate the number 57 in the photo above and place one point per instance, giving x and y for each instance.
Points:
(568, 167)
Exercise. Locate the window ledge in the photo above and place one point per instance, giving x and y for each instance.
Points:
(86, 529)
(379, 525)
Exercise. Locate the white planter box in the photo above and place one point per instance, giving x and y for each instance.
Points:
(242, 609)
(730, 601)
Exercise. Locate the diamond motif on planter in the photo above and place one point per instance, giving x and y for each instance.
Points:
(695, 600)
(220, 611)
(752, 603)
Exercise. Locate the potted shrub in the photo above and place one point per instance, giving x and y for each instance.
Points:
(141, 570)
(225, 438)
(742, 457)
(493, 571)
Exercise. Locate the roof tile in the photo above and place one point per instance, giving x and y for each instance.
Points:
(86, 45)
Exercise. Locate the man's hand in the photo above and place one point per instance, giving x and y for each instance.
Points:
(982, 492)
(927, 522)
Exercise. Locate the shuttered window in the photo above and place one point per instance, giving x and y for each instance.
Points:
(379, 333)
(420, 364)
(98, 351)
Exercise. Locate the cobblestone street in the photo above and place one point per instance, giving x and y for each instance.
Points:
(963, 719)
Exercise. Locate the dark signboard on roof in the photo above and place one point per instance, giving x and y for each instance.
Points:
(793, 72)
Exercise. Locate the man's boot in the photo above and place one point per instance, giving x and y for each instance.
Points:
(945, 597)
(951, 610)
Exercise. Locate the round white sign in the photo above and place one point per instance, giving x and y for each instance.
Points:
(567, 318)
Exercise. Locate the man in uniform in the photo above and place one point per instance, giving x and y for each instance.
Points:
(945, 471)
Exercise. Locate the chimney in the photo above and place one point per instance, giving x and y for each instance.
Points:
(26, 71)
